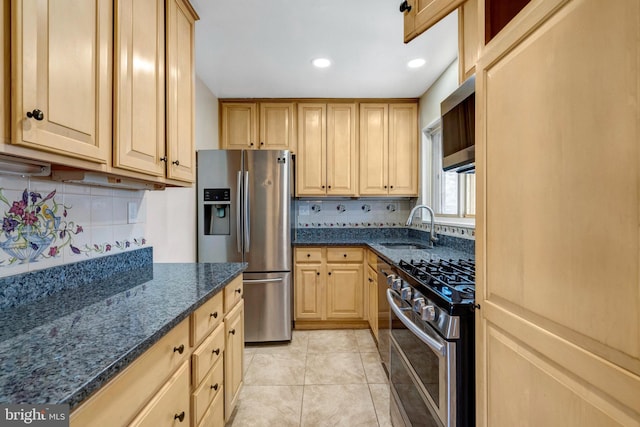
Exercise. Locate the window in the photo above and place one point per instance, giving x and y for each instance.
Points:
(453, 194)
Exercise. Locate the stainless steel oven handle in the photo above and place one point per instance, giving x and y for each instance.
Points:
(277, 279)
(435, 346)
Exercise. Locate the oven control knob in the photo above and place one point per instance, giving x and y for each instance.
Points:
(428, 313)
(390, 279)
(396, 285)
(418, 304)
(405, 293)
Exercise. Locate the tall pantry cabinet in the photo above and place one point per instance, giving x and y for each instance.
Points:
(557, 239)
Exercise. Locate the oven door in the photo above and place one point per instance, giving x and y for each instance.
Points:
(422, 356)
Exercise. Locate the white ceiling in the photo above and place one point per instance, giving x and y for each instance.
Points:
(264, 48)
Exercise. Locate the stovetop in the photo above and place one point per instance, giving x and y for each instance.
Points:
(451, 281)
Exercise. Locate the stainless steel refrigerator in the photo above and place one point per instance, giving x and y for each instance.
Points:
(244, 201)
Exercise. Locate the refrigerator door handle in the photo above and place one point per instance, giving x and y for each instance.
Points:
(277, 279)
(247, 209)
(238, 215)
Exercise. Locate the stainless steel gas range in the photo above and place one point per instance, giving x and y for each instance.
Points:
(432, 372)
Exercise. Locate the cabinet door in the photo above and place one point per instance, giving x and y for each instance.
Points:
(374, 148)
(309, 295)
(5, 70)
(71, 90)
(180, 91)
(239, 125)
(424, 14)
(312, 146)
(233, 358)
(277, 126)
(468, 39)
(372, 285)
(139, 113)
(342, 160)
(344, 291)
(403, 149)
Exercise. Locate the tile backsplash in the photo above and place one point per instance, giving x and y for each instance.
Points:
(48, 223)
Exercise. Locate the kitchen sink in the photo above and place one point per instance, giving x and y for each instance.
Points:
(404, 246)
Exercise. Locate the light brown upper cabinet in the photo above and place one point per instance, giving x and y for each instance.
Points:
(389, 149)
(62, 99)
(420, 15)
(327, 150)
(468, 39)
(139, 98)
(253, 125)
(5, 69)
(180, 77)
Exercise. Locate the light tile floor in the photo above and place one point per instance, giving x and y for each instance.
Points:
(322, 378)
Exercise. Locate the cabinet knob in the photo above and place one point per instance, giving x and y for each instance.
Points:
(177, 163)
(216, 351)
(323, 186)
(232, 331)
(308, 255)
(385, 186)
(345, 255)
(392, 186)
(35, 114)
(215, 386)
(214, 314)
(405, 6)
(318, 273)
(329, 273)
(180, 349)
(179, 417)
(163, 159)
(370, 280)
(239, 291)
(329, 186)
(262, 143)
(251, 144)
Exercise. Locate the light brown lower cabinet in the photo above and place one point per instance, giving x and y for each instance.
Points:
(191, 377)
(329, 287)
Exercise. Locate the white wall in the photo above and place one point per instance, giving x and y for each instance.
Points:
(171, 214)
(429, 112)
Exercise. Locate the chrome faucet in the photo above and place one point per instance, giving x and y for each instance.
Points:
(432, 233)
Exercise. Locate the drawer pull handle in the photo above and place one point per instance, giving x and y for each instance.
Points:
(318, 273)
(239, 290)
(179, 350)
(215, 386)
(308, 255)
(216, 351)
(232, 331)
(345, 255)
(179, 417)
(214, 314)
(329, 273)
(370, 280)
(35, 114)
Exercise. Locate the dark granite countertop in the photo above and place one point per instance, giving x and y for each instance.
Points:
(61, 348)
(446, 248)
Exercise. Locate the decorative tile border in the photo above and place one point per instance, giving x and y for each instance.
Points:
(448, 230)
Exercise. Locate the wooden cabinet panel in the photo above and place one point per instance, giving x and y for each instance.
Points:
(5, 70)
(139, 95)
(210, 388)
(214, 417)
(233, 294)
(468, 39)
(424, 14)
(372, 286)
(308, 255)
(309, 295)
(206, 318)
(560, 308)
(234, 356)
(207, 354)
(277, 126)
(170, 407)
(342, 150)
(239, 125)
(344, 291)
(180, 69)
(374, 148)
(312, 150)
(72, 91)
(345, 254)
(403, 149)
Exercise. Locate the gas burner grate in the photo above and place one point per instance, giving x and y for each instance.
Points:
(453, 279)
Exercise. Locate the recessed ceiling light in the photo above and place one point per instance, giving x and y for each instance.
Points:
(416, 63)
(321, 62)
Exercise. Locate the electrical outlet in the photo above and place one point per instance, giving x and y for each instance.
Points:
(132, 212)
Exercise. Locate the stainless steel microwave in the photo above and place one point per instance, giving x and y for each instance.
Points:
(459, 127)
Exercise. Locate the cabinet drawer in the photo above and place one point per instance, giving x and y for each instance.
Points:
(210, 388)
(308, 255)
(345, 255)
(121, 399)
(232, 293)
(214, 417)
(207, 354)
(206, 318)
(170, 407)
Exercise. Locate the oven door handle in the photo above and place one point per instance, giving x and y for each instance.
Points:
(433, 344)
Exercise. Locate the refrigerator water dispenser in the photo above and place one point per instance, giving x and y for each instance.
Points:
(217, 215)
